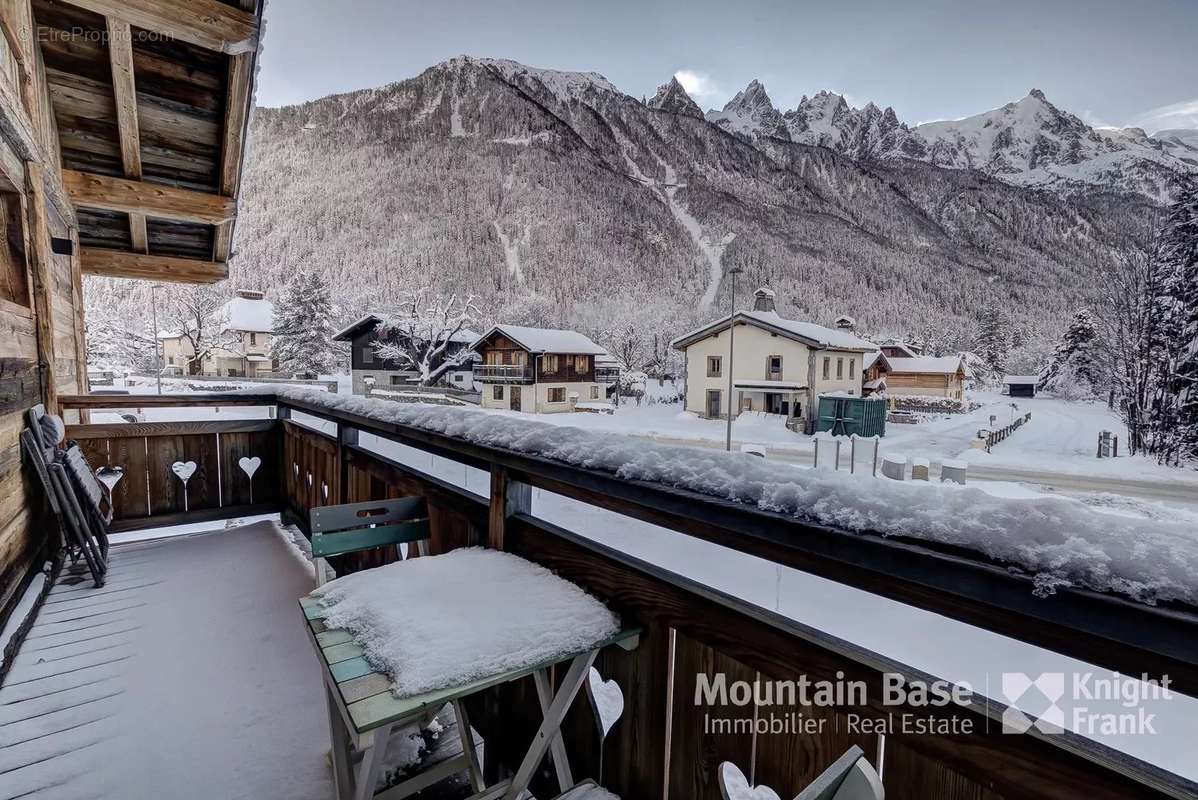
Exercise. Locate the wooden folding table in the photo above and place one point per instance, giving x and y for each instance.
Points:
(363, 713)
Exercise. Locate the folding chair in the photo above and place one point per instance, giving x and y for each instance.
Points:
(75, 537)
(851, 777)
(352, 527)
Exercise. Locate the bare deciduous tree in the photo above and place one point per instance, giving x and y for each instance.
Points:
(420, 332)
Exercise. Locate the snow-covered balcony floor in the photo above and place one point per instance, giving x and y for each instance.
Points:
(188, 674)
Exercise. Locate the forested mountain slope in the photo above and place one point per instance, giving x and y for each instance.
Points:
(555, 197)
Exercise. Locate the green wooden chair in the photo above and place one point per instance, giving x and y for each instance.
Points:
(353, 527)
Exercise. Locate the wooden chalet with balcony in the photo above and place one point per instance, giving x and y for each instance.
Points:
(540, 370)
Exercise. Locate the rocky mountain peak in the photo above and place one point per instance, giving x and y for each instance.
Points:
(750, 113)
(673, 97)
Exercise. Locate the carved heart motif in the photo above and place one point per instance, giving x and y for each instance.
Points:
(735, 786)
(249, 465)
(184, 469)
(606, 699)
(110, 476)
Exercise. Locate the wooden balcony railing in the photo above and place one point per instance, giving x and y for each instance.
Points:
(662, 743)
(503, 373)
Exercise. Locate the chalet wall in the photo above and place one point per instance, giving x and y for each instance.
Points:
(41, 321)
(924, 383)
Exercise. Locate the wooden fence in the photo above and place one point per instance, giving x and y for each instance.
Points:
(996, 436)
(664, 746)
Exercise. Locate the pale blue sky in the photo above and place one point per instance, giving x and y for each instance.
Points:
(1113, 62)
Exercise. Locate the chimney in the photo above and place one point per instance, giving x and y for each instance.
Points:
(763, 299)
(846, 323)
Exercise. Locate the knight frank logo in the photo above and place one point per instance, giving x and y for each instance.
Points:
(1084, 702)
(1040, 696)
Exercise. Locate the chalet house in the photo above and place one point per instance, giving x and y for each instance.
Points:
(246, 323)
(780, 366)
(368, 368)
(540, 370)
(875, 369)
(937, 376)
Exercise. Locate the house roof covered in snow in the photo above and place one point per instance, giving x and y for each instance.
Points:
(939, 365)
(1020, 379)
(545, 340)
(374, 319)
(901, 347)
(247, 313)
(816, 336)
(873, 358)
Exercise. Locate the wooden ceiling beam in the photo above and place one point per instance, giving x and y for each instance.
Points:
(205, 23)
(237, 110)
(124, 91)
(149, 199)
(123, 264)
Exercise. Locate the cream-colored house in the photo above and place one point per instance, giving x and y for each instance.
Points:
(779, 366)
(539, 370)
(245, 324)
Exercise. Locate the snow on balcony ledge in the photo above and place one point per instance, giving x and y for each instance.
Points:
(1059, 540)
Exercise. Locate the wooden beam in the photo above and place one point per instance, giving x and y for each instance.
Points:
(123, 264)
(41, 282)
(237, 108)
(206, 23)
(151, 199)
(124, 91)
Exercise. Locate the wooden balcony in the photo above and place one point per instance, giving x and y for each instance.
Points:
(313, 455)
(504, 373)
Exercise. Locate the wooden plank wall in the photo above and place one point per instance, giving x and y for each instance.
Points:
(26, 530)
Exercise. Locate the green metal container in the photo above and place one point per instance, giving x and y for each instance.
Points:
(844, 415)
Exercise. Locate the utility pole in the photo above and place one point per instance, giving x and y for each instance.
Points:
(154, 314)
(733, 272)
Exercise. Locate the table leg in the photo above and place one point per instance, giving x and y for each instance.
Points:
(557, 747)
(466, 737)
(339, 737)
(372, 763)
(577, 673)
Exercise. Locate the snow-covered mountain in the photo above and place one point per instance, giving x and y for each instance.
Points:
(1029, 142)
(558, 200)
(751, 113)
(672, 97)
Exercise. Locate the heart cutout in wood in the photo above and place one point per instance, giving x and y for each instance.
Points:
(735, 786)
(607, 701)
(184, 469)
(110, 476)
(249, 465)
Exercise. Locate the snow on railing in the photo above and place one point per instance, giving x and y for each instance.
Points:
(1059, 540)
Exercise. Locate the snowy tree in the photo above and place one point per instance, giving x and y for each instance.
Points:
(421, 330)
(1132, 331)
(194, 313)
(1174, 412)
(303, 327)
(992, 344)
(1074, 370)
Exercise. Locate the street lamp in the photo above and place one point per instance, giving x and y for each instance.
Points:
(733, 271)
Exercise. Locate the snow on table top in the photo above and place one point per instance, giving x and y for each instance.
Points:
(1059, 540)
(441, 621)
